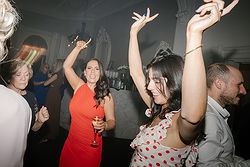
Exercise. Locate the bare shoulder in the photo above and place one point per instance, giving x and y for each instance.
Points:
(79, 84)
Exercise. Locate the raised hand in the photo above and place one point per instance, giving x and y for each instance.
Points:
(208, 14)
(82, 44)
(141, 21)
(227, 9)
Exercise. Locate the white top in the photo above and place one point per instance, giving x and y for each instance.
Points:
(150, 152)
(15, 119)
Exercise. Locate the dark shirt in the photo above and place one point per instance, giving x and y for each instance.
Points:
(31, 99)
(40, 91)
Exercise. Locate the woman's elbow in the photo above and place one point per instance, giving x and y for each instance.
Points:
(111, 124)
(194, 118)
(65, 66)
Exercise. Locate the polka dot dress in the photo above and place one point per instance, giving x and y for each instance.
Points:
(150, 153)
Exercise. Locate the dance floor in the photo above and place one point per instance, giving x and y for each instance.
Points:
(116, 152)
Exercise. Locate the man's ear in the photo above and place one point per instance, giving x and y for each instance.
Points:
(219, 84)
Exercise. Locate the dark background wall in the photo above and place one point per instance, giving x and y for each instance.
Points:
(229, 35)
(161, 29)
(117, 26)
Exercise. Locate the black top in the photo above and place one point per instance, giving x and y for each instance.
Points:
(31, 99)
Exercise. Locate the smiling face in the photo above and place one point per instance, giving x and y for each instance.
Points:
(233, 88)
(158, 87)
(92, 72)
(20, 79)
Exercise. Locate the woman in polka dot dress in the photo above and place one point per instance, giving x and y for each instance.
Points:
(175, 93)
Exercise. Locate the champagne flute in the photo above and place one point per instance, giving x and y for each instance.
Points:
(94, 122)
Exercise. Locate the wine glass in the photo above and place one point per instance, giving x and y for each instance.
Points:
(94, 121)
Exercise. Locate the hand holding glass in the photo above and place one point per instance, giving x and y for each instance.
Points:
(94, 122)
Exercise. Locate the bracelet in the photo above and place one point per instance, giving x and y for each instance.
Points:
(192, 50)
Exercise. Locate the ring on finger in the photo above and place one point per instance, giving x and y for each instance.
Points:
(221, 11)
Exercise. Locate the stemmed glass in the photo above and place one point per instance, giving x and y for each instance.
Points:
(94, 121)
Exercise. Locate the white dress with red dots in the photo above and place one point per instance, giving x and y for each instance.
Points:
(150, 153)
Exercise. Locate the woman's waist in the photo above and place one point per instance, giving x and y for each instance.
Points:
(77, 131)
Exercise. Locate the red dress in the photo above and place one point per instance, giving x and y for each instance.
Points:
(77, 150)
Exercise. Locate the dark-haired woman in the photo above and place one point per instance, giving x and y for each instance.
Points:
(175, 93)
(92, 98)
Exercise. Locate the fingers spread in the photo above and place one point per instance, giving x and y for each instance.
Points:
(153, 17)
(148, 12)
(137, 15)
(221, 3)
(227, 9)
(135, 18)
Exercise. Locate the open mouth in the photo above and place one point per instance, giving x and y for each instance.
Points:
(92, 76)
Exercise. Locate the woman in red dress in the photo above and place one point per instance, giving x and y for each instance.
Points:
(92, 98)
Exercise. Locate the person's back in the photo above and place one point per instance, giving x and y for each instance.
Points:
(15, 118)
(225, 87)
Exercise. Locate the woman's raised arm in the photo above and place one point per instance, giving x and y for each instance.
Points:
(194, 90)
(70, 74)
(134, 57)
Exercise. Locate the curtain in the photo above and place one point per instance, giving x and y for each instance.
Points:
(103, 47)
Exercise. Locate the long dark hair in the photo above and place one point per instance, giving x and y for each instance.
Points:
(102, 86)
(168, 65)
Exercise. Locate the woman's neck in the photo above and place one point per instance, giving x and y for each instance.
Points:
(91, 85)
(12, 87)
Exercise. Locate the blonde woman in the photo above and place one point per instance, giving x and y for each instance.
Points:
(19, 74)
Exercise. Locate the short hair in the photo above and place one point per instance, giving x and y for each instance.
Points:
(15, 65)
(8, 20)
(217, 71)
